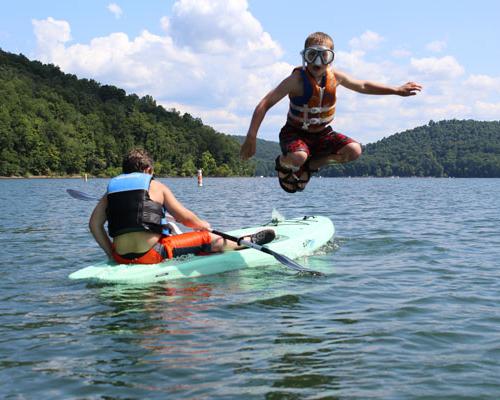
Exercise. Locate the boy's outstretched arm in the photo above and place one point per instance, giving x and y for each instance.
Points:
(368, 87)
(249, 146)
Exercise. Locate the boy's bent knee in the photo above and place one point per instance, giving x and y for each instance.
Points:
(356, 151)
(295, 159)
(352, 151)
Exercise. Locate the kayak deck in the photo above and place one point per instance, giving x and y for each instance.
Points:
(295, 238)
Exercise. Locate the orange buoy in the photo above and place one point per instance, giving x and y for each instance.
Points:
(200, 178)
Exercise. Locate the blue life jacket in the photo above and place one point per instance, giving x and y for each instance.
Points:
(130, 209)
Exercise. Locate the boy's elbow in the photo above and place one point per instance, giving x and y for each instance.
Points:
(365, 88)
(92, 227)
(95, 225)
(266, 103)
(262, 107)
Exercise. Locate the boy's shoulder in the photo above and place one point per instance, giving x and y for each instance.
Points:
(296, 74)
(294, 82)
(157, 185)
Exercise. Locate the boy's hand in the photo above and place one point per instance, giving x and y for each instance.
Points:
(248, 148)
(204, 226)
(409, 89)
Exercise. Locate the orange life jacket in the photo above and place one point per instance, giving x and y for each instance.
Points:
(316, 107)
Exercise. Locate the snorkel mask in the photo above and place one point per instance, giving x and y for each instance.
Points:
(317, 55)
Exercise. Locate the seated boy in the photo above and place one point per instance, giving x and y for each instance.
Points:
(135, 207)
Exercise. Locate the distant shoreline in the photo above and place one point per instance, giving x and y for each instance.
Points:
(194, 177)
(46, 177)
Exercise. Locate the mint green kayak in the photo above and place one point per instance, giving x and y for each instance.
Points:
(295, 238)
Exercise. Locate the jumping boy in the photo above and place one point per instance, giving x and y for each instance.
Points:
(307, 140)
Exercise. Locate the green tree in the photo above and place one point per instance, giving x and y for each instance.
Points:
(187, 168)
(223, 170)
(208, 163)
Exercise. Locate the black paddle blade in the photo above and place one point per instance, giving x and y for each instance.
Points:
(293, 265)
(76, 194)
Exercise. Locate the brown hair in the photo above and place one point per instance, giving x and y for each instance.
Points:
(136, 160)
(319, 38)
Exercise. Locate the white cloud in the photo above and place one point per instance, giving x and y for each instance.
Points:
(436, 46)
(356, 64)
(367, 41)
(115, 9)
(224, 28)
(438, 68)
(51, 35)
(483, 83)
(165, 23)
(401, 53)
(448, 111)
(487, 110)
(225, 120)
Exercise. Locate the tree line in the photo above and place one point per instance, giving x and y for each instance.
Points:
(52, 123)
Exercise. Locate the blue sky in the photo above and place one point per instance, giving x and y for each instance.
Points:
(216, 59)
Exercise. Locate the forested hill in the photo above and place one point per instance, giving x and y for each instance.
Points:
(448, 148)
(52, 123)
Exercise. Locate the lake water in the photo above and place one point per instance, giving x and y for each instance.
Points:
(409, 308)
